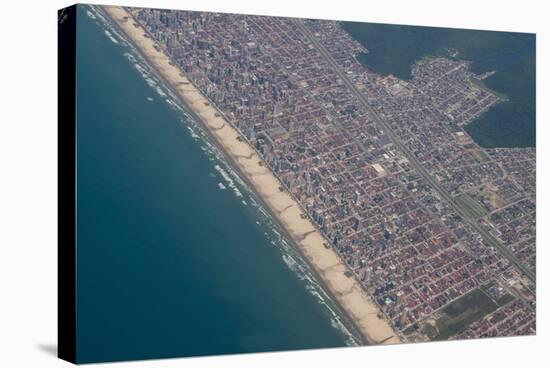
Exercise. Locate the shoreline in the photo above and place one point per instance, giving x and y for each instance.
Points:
(354, 305)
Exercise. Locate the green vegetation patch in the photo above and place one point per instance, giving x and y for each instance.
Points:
(430, 331)
(479, 155)
(471, 206)
(505, 298)
(458, 315)
(411, 329)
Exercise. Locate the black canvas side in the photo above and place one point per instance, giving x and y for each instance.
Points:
(66, 228)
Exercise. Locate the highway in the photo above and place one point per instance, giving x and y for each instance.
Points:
(488, 238)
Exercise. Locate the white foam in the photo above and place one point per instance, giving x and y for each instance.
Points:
(228, 180)
(90, 14)
(110, 36)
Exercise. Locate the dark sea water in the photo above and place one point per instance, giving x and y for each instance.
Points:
(393, 49)
(168, 263)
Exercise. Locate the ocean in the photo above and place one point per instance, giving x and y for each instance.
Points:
(175, 256)
(393, 49)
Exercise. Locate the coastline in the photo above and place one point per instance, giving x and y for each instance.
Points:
(354, 304)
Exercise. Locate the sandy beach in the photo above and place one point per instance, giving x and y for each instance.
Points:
(347, 291)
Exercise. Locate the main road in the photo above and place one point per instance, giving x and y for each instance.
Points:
(488, 238)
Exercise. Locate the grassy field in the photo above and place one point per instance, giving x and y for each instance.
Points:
(479, 155)
(461, 313)
(470, 205)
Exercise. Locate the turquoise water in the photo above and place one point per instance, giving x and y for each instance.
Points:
(169, 263)
(393, 49)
